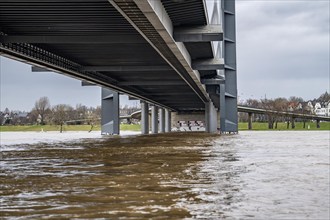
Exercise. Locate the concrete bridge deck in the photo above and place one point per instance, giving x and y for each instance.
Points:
(170, 54)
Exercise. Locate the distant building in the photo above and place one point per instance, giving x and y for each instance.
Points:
(309, 107)
(6, 119)
(322, 109)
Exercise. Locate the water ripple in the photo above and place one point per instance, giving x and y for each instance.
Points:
(254, 175)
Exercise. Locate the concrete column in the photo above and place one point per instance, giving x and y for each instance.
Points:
(207, 117)
(149, 117)
(161, 120)
(270, 122)
(228, 91)
(223, 115)
(213, 119)
(250, 121)
(304, 125)
(210, 118)
(167, 120)
(109, 112)
(144, 118)
(293, 125)
(154, 119)
(318, 124)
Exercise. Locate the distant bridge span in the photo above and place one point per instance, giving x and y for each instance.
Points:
(271, 113)
(170, 54)
(282, 113)
(244, 109)
(250, 111)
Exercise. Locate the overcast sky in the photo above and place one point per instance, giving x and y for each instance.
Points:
(282, 51)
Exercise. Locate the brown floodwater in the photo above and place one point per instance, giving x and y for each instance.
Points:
(261, 175)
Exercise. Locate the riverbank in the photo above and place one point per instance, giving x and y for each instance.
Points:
(45, 128)
(257, 126)
(299, 126)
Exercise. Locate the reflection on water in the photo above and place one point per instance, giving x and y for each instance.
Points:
(256, 175)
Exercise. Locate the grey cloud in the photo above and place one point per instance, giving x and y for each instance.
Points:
(282, 50)
(261, 14)
(280, 42)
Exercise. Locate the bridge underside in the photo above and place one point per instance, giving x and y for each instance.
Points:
(115, 44)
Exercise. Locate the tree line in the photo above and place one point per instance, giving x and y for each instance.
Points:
(292, 104)
(44, 113)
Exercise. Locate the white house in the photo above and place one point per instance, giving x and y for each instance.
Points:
(322, 111)
(310, 107)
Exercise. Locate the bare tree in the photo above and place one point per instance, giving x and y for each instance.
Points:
(42, 106)
(61, 114)
(252, 103)
(279, 104)
(80, 113)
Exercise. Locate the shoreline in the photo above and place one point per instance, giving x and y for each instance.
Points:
(242, 126)
(8, 139)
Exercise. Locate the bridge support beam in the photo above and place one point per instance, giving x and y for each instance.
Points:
(154, 119)
(109, 112)
(210, 118)
(318, 124)
(204, 33)
(144, 118)
(228, 91)
(161, 120)
(167, 120)
(250, 121)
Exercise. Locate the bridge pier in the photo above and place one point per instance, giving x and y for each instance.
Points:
(270, 122)
(144, 118)
(210, 118)
(161, 120)
(318, 124)
(154, 119)
(228, 91)
(293, 125)
(167, 120)
(276, 122)
(109, 112)
(250, 121)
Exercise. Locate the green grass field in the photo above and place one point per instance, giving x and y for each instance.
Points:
(134, 127)
(123, 127)
(283, 126)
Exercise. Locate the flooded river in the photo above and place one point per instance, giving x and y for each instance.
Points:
(253, 175)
